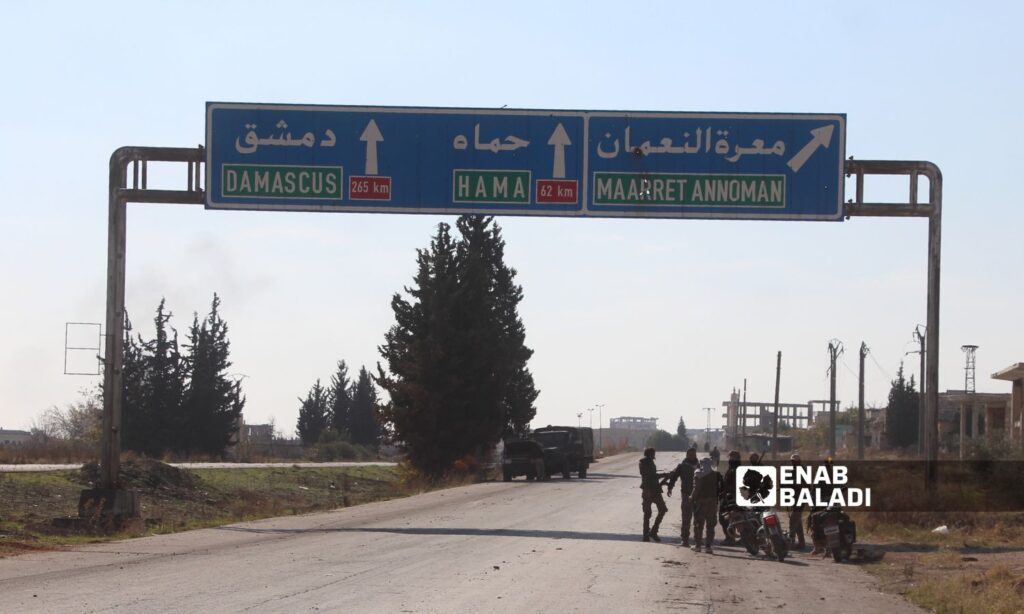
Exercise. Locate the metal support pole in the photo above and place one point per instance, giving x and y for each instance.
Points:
(932, 346)
(860, 403)
(775, 422)
(933, 211)
(110, 455)
(119, 195)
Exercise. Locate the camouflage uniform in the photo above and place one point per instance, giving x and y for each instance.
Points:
(706, 486)
(651, 486)
(684, 473)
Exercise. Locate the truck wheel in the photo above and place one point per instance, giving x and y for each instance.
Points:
(506, 476)
(565, 471)
(583, 473)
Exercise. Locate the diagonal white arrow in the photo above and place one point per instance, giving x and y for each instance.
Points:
(559, 139)
(822, 137)
(371, 136)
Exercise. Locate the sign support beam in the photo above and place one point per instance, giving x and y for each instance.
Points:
(135, 158)
(932, 209)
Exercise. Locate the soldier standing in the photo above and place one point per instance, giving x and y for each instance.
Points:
(684, 473)
(650, 483)
(706, 484)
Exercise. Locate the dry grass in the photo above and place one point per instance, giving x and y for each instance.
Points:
(996, 590)
(37, 509)
(978, 566)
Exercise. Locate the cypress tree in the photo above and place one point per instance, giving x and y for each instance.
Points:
(364, 429)
(457, 376)
(163, 385)
(313, 420)
(422, 381)
(340, 401)
(901, 412)
(212, 402)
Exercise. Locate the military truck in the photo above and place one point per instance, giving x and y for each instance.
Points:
(523, 457)
(567, 449)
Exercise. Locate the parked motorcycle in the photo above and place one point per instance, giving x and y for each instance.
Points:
(744, 523)
(840, 533)
(770, 536)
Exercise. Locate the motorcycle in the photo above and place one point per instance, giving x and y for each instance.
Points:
(770, 536)
(840, 533)
(744, 524)
(758, 529)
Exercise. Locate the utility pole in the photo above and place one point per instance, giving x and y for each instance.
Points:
(707, 426)
(600, 427)
(860, 403)
(775, 422)
(590, 410)
(579, 419)
(743, 410)
(835, 349)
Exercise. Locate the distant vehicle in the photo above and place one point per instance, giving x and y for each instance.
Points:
(567, 449)
(523, 457)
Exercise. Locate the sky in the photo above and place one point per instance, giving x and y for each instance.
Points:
(646, 317)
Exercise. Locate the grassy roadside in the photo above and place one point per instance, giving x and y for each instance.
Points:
(37, 509)
(974, 568)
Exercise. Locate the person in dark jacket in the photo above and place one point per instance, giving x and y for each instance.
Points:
(727, 497)
(796, 524)
(650, 483)
(715, 456)
(684, 473)
(706, 485)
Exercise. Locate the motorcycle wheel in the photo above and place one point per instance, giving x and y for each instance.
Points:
(779, 548)
(750, 543)
(837, 554)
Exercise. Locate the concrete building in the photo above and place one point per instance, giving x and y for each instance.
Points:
(1014, 420)
(627, 432)
(13, 438)
(965, 417)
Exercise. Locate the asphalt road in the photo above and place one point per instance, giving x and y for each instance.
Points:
(557, 546)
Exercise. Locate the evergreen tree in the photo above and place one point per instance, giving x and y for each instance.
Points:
(901, 412)
(364, 429)
(313, 419)
(423, 381)
(684, 439)
(520, 392)
(163, 386)
(340, 401)
(212, 402)
(456, 355)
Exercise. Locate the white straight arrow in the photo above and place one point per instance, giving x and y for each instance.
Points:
(371, 136)
(560, 140)
(822, 137)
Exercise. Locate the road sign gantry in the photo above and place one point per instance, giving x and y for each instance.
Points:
(525, 162)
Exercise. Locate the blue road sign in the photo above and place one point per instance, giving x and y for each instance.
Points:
(525, 162)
